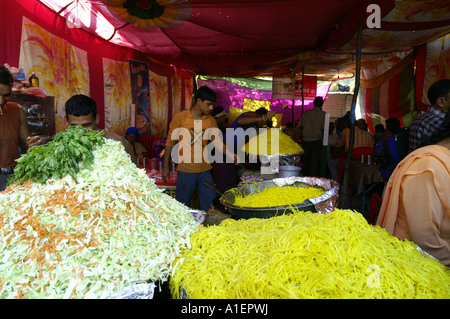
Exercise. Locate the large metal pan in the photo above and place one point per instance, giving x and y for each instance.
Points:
(323, 204)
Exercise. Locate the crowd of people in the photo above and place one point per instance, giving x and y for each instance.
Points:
(415, 204)
(414, 162)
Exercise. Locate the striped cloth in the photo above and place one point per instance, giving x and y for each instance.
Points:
(390, 95)
(362, 138)
(425, 125)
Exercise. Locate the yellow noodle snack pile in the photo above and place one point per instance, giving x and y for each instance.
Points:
(305, 255)
(277, 196)
(285, 144)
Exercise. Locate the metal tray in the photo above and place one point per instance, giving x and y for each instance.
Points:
(331, 190)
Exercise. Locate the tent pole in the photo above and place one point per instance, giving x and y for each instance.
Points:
(344, 201)
(293, 111)
(303, 96)
(194, 80)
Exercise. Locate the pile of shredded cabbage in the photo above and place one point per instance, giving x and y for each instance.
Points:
(305, 255)
(91, 237)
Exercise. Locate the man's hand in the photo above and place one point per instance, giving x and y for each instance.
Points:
(33, 141)
(166, 161)
(165, 174)
(270, 114)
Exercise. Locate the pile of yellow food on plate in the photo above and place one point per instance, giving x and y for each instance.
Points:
(305, 255)
(285, 143)
(277, 196)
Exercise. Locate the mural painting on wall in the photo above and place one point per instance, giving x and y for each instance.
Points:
(117, 96)
(61, 68)
(188, 89)
(177, 83)
(159, 101)
(140, 94)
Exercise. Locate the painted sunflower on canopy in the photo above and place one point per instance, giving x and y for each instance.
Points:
(149, 14)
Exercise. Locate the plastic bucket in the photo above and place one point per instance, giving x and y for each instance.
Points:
(288, 171)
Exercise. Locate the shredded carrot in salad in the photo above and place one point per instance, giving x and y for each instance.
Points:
(305, 255)
(91, 237)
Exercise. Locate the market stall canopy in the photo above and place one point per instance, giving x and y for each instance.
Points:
(244, 38)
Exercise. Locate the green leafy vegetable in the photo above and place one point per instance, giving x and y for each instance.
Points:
(67, 153)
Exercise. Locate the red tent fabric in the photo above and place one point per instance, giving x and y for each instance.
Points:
(246, 38)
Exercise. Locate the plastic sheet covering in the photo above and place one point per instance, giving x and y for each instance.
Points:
(138, 291)
(425, 253)
(199, 215)
(326, 203)
(183, 294)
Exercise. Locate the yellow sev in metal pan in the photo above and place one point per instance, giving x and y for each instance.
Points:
(305, 255)
(277, 196)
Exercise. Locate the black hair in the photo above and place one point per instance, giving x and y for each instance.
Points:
(6, 77)
(217, 110)
(332, 124)
(289, 124)
(205, 93)
(394, 125)
(262, 111)
(81, 105)
(439, 89)
(440, 134)
(318, 101)
(361, 123)
(379, 128)
(348, 123)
